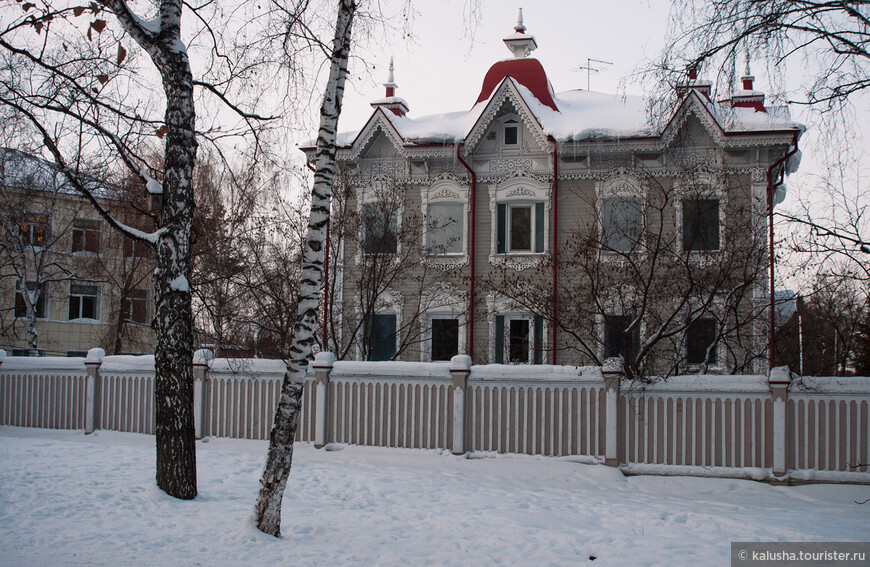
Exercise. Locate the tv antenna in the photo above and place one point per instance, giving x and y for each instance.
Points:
(590, 69)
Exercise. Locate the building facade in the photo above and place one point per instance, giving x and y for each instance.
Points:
(564, 228)
(68, 283)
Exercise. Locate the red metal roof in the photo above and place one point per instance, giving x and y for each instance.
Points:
(527, 72)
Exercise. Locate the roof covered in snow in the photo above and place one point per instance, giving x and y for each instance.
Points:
(574, 115)
(22, 170)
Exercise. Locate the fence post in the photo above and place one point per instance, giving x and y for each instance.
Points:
(323, 362)
(779, 380)
(200, 389)
(460, 368)
(612, 372)
(93, 389)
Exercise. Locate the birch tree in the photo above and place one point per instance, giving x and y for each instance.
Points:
(280, 456)
(81, 77)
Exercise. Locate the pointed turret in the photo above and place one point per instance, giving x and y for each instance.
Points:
(391, 102)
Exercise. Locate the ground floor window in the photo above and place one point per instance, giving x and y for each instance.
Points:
(519, 340)
(382, 336)
(618, 342)
(445, 338)
(700, 336)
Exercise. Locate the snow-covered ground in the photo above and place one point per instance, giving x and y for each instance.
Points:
(71, 499)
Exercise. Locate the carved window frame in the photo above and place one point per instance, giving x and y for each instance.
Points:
(446, 191)
(519, 191)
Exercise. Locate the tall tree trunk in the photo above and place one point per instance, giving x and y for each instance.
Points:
(173, 321)
(176, 450)
(280, 458)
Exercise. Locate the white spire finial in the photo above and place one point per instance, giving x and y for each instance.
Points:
(746, 71)
(520, 28)
(390, 78)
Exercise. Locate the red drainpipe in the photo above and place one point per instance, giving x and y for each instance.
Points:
(770, 190)
(555, 237)
(325, 281)
(473, 217)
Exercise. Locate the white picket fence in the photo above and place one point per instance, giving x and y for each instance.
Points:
(764, 427)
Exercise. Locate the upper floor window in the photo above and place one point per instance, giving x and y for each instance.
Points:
(701, 224)
(511, 133)
(446, 227)
(34, 229)
(86, 236)
(38, 294)
(520, 228)
(621, 223)
(136, 249)
(84, 302)
(380, 229)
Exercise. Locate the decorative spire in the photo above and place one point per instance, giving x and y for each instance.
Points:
(391, 81)
(519, 42)
(520, 28)
(747, 77)
(390, 101)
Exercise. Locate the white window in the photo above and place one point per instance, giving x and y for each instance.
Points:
(518, 339)
(520, 228)
(86, 236)
(84, 302)
(446, 226)
(37, 294)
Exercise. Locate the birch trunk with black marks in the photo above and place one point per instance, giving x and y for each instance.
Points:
(280, 457)
(173, 321)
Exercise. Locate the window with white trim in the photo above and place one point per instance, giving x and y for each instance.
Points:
(84, 302)
(520, 228)
(86, 236)
(446, 227)
(519, 339)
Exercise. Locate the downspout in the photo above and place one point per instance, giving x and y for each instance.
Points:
(770, 191)
(473, 217)
(325, 280)
(555, 238)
